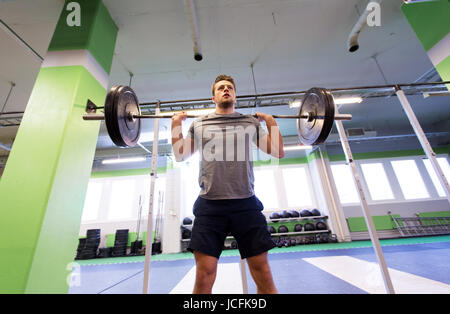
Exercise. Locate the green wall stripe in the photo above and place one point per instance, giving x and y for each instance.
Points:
(97, 32)
(161, 170)
(358, 224)
(284, 161)
(126, 172)
(429, 20)
(280, 162)
(391, 154)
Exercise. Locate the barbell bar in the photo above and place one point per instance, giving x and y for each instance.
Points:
(309, 116)
(122, 115)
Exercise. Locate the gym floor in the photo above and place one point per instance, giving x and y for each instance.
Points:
(338, 268)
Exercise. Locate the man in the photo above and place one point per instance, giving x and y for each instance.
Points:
(227, 203)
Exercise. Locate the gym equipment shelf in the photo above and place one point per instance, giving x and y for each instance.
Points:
(297, 218)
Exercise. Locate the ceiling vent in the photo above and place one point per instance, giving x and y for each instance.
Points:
(355, 132)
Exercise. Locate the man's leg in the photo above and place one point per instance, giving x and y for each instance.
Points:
(260, 270)
(206, 269)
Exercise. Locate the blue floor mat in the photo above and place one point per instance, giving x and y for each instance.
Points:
(291, 273)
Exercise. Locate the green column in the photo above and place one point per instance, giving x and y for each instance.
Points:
(44, 183)
(431, 22)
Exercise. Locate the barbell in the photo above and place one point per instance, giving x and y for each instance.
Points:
(122, 115)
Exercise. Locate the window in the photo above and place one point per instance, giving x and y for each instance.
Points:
(122, 197)
(345, 185)
(443, 163)
(160, 186)
(265, 188)
(377, 181)
(191, 188)
(408, 176)
(298, 192)
(92, 200)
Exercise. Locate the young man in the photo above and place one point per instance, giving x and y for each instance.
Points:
(227, 203)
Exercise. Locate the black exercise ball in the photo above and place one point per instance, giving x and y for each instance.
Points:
(309, 227)
(271, 229)
(187, 221)
(294, 213)
(282, 229)
(285, 214)
(324, 238)
(315, 212)
(275, 216)
(186, 234)
(298, 227)
(305, 213)
(332, 239)
(321, 226)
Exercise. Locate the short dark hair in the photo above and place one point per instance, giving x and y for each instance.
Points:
(223, 77)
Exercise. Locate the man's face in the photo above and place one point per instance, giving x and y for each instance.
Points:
(224, 94)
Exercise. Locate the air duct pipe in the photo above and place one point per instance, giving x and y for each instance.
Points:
(192, 15)
(352, 41)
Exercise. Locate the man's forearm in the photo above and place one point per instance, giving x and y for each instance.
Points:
(177, 140)
(276, 140)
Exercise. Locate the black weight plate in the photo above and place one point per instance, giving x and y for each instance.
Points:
(121, 102)
(318, 102)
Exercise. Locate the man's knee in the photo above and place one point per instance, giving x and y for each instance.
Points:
(206, 265)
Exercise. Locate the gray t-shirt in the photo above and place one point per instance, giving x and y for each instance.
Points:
(224, 142)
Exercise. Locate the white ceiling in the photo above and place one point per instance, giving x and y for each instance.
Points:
(293, 45)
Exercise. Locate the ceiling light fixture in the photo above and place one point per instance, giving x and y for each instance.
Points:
(297, 147)
(348, 100)
(295, 103)
(122, 160)
(338, 101)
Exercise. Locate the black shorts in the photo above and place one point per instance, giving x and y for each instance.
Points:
(241, 218)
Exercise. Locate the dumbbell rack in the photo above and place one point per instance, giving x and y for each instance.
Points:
(298, 219)
(283, 233)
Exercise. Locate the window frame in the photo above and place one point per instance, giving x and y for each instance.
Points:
(284, 198)
(415, 160)
(393, 181)
(353, 182)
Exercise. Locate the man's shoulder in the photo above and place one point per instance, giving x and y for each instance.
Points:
(232, 116)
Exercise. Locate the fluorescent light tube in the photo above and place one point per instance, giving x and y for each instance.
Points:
(295, 104)
(337, 101)
(122, 160)
(348, 100)
(297, 147)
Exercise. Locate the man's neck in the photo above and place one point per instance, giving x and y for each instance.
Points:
(224, 110)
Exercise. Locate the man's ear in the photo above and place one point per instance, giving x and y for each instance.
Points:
(214, 99)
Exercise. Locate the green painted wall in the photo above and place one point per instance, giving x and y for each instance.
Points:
(285, 161)
(97, 32)
(126, 172)
(429, 20)
(391, 154)
(43, 185)
(443, 69)
(431, 23)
